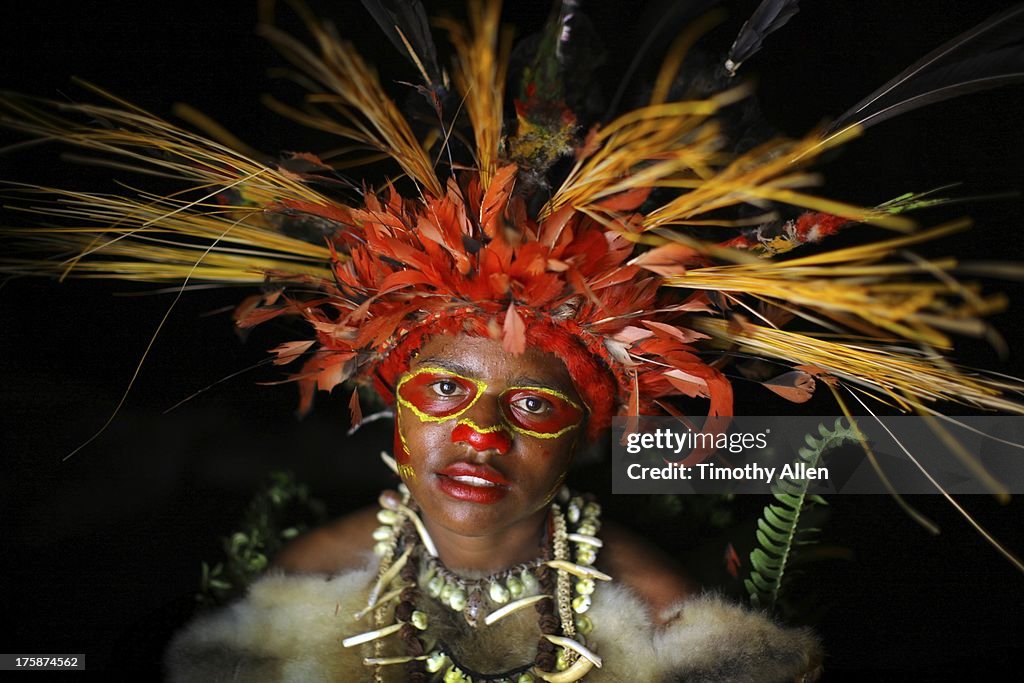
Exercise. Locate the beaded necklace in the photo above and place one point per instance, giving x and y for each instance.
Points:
(559, 584)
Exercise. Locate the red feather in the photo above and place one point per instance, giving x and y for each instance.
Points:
(513, 332)
(354, 408)
(670, 259)
(626, 201)
(682, 334)
(495, 199)
(796, 386)
(290, 351)
(732, 561)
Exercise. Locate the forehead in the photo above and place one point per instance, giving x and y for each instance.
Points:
(484, 358)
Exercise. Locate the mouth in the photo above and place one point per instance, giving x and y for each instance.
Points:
(473, 483)
(475, 475)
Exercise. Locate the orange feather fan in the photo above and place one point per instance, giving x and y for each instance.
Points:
(607, 266)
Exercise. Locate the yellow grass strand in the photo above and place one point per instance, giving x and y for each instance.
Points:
(886, 371)
(481, 64)
(358, 96)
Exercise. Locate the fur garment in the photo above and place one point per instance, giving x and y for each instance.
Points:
(290, 628)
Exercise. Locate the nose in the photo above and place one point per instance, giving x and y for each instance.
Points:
(483, 426)
(494, 437)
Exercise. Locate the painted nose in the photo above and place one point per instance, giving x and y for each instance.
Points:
(494, 438)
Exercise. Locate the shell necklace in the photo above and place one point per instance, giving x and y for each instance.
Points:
(559, 584)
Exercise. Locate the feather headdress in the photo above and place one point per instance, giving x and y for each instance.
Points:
(538, 222)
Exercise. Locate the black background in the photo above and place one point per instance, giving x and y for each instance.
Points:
(102, 551)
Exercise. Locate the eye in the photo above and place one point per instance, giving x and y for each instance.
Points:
(534, 405)
(447, 387)
(537, 411)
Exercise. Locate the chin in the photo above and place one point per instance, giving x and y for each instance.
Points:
(472, 519)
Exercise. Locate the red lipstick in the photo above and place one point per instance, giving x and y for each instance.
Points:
(473, 483)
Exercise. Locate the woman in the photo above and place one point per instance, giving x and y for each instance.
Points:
(484, 441)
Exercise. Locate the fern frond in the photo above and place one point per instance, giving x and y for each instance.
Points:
(779, 529)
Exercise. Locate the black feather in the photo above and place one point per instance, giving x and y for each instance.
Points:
(564, 18)
(669, 16)
(770, 16)
(988, 56)
(408, 19)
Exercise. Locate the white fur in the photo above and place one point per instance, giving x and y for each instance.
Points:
(290, 628)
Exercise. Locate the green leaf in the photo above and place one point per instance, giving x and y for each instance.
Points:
(270, 520)
(763, 585)
(790, 501)
(786, 513)
(767, 544)
(773, 517)
(763, 562)
(774, 534)
(786, 485)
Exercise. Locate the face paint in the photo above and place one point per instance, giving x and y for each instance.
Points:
(489, 391)
(436, 394)
(401, 447)
(433, 395)
(540, 412)
(482, 438)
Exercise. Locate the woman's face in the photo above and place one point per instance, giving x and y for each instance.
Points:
(484, 437)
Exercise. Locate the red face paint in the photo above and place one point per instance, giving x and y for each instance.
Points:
(482, 438)
(540, 412)
(434, 394)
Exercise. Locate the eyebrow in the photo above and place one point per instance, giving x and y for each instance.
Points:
(526, 381)
(446, 364)
(520, 380)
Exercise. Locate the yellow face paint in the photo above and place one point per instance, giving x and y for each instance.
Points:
(481, 430)
(496, 437)
(435, 394)
(438, 395)
(540, 412)
(401, 445)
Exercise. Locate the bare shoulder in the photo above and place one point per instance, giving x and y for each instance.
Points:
(336, 546)
(653, 575)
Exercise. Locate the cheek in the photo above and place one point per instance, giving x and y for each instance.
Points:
(548, 460)
(415, 441)
(548, 469)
